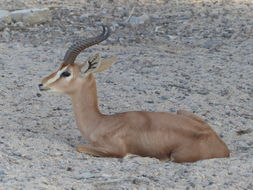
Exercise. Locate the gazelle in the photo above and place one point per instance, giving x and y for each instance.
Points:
(180, 137)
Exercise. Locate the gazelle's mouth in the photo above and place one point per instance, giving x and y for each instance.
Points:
(43, 89)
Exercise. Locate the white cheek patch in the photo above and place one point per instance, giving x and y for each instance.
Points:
(56, 77)
(54, 90)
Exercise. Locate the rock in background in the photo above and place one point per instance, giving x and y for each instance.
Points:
(26, 17)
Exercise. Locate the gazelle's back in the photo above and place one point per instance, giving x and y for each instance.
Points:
(161, 134)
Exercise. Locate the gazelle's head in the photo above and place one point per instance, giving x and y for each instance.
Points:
(69, 74)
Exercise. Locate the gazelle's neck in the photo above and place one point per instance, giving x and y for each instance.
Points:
(85, 105)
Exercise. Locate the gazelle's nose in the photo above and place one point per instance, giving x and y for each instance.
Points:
(40, 87)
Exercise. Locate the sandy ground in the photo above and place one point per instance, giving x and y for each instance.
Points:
(193, 55)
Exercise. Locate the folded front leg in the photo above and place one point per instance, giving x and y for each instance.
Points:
(99, 151)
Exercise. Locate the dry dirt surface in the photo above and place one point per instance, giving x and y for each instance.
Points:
(193, 55)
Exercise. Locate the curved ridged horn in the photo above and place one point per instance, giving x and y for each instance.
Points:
(76, 48)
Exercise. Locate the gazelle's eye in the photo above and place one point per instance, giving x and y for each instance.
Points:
(65, 74)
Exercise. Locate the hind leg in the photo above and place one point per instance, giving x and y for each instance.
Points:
(206, 147)
(186, 154)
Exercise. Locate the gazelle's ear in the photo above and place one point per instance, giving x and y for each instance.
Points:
(91, 64)
(106, 64)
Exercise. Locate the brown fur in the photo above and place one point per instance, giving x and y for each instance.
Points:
(181, 137)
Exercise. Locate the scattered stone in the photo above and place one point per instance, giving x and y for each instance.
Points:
(164, 98)
(114, 26)
(212, 44)
(31, 16)
(26, 16)
(19, 25)
(224, 92)
(2, 173)
(86, 176)
(5, 16)
(242, 132)
(6, 34)
(84, 16)
(157, 92)
(2, 25)
(171, 37)
(139, 20)
(156, 16)
(150, 101)
(203, 91)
